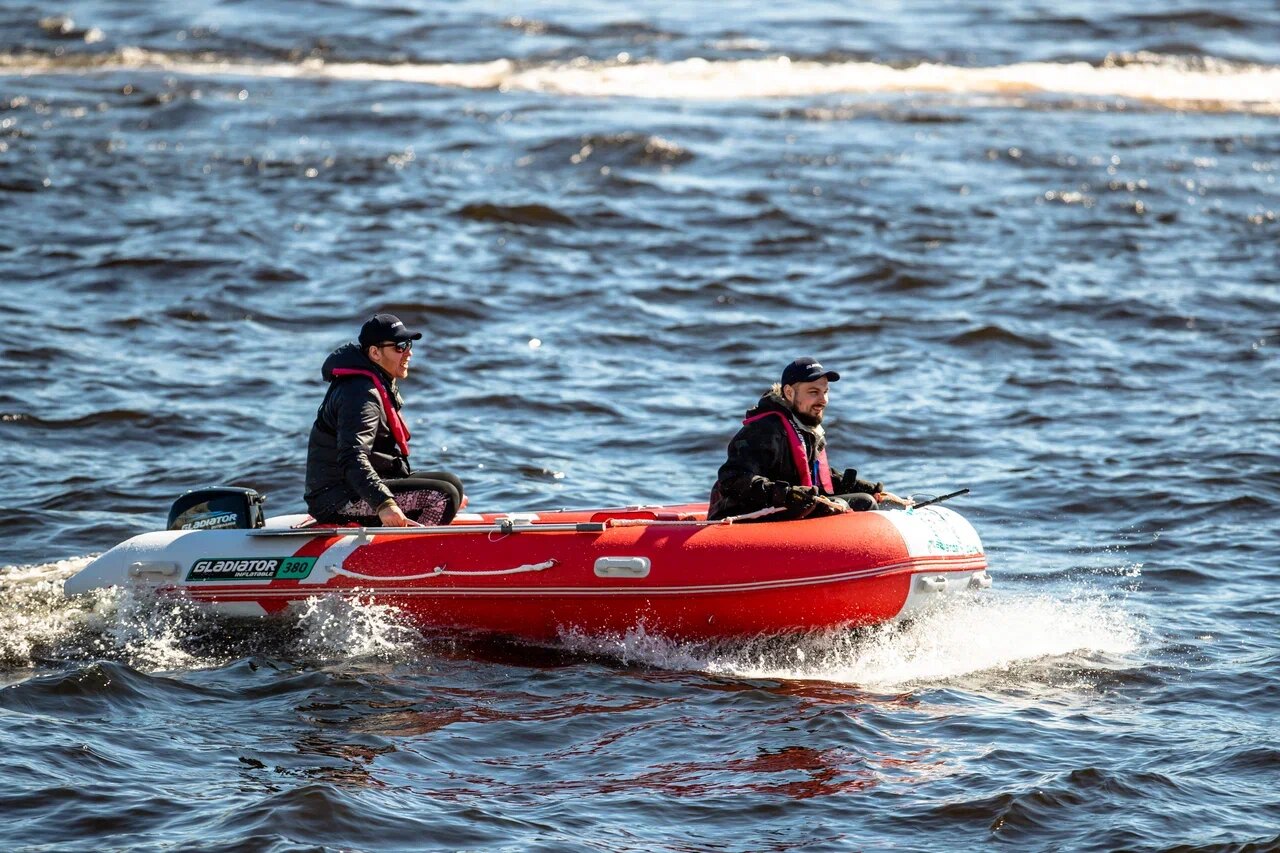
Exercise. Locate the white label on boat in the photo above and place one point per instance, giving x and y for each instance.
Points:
(935, 532)
(250, 568)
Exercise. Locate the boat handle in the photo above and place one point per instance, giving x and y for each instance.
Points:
(933, 584)
(139, 569)
(622, 567)
(980, 580)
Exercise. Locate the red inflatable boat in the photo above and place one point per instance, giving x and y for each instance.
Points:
(665, 570)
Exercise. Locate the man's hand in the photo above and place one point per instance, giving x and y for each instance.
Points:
(836, 505)
(890, 497)
(793, 497)
(392, 516)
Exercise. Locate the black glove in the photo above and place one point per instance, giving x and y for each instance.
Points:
(793, 497)
(850, 483)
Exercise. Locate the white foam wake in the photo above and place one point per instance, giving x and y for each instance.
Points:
(37, 620)
(33, 611)
(337, 628)
(159, 632)
(992, 635)
(995, 635)
(1202, 84)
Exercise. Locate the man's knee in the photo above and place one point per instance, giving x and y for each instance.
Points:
(860, 502)
(442, 477)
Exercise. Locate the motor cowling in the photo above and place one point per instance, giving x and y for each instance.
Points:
(217, 508)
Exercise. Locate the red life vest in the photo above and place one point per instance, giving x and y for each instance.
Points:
(800, 457)
(399, 431)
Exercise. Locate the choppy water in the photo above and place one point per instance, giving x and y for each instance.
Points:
(1040, 242)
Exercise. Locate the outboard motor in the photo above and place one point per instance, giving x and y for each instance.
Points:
(217, 508)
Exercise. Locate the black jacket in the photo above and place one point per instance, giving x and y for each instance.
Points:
(351, 449)
(760, 457)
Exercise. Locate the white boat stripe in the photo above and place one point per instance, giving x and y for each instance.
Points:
(241, 593)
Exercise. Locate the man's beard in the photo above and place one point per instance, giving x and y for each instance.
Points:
(809, 419)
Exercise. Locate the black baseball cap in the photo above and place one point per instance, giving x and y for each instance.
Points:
(807, 369)
(381, 328)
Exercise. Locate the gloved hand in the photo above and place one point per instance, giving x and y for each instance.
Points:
(793, 497)
(838, 505)
(850, 483)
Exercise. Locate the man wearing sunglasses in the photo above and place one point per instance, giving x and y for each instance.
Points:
(358, 454)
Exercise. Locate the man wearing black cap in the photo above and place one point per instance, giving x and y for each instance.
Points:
(779, 457)
(358, 454)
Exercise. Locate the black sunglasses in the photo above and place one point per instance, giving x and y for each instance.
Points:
(401, 346)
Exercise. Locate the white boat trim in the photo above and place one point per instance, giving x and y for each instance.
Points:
(223, 591)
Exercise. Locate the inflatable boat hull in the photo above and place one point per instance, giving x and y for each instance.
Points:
(539, 576)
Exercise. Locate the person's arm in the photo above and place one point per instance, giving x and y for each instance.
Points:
(754, 454)
(391, 515)
(849, 483)
(358, 411)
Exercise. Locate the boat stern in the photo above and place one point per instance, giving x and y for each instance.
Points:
(139, 559)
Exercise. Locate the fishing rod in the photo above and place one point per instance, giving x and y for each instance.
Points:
(940, 498)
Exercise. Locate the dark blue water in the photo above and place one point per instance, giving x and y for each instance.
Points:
(1039, 242)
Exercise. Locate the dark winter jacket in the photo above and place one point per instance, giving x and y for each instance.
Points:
(352, 448)
(760, 458)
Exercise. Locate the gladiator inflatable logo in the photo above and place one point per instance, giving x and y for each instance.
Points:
(256, 569)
